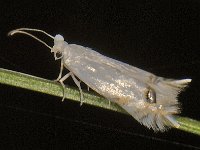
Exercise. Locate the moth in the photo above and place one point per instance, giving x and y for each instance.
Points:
(150, 99)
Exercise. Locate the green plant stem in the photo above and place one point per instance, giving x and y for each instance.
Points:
(54, 88)
(189, 125)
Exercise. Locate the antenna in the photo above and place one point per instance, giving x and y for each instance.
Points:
(23, 31)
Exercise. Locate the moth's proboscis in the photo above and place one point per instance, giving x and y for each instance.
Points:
(150, 99)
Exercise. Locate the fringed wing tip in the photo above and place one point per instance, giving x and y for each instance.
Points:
(183, 81)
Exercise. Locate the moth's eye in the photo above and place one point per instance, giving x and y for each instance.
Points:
(151, 96)
(58, 55)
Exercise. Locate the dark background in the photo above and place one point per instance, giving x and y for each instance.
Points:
(161, 37)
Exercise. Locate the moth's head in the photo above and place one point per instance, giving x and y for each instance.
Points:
(58, 47)
(59, 42)
(158, 104)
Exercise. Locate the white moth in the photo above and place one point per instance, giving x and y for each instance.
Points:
(150, 99)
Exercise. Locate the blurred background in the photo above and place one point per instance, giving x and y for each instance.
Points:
(161, 37)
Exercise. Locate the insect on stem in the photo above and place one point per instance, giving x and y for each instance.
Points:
(152, 104)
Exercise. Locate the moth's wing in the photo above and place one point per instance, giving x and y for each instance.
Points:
(110, 78)
(135, 72)
(127, 86)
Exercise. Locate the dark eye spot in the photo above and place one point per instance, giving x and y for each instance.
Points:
(59, 55)
(151, 96)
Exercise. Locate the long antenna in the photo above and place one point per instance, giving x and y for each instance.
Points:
(34, 30)
(23, 31)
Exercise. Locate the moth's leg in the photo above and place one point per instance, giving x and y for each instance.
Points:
(63, 85)
(79, 86)
(61, 70)
(88, 88)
